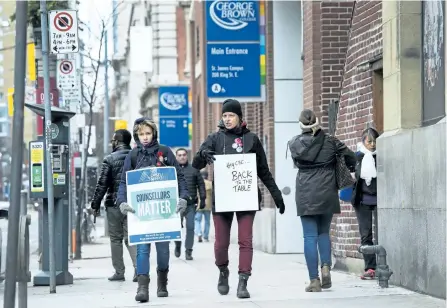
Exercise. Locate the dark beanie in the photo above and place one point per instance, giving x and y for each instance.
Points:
(307, 117)
(232, 105)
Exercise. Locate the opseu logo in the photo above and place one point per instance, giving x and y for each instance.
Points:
(173, 101)
(232, 15)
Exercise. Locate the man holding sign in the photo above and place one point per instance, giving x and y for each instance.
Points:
(240, 159)
(153, 194)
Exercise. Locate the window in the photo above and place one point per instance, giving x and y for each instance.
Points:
(2, 96)
(3, 113)
(2, 82)
(433, 61)
(4, 128)
(1, 57)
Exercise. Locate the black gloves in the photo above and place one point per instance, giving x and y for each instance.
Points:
(208, 156)
(202, 204)
(280, 205)
(94, 206)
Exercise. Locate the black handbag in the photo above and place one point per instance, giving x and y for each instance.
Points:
(342, 173)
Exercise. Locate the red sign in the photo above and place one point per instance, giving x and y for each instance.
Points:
(40, 99)
(63, 21)
(54, 97)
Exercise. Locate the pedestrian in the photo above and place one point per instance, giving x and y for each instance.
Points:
(204, 213)
(149, 153)
(364, 195)
(108, 184)
(233, 137)
(314, 153)
(195, 183)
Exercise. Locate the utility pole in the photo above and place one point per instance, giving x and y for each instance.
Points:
(48, 163)
(17, 158)
(106, 112)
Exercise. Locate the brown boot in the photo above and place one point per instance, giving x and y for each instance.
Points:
(314, 286)
(326, 281)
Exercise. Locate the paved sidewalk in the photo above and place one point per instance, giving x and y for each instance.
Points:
(277, 281)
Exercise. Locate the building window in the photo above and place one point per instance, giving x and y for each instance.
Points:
(4, 128)
(3, 113)
(433, 67)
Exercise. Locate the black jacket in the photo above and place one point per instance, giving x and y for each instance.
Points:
(222, 141)
(360, 185)
(194, 181)
(110, 177)
(316, 187)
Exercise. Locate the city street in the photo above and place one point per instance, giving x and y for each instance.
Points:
(278, 280)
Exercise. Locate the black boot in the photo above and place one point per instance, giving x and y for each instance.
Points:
(143, 289)
(162, 283)
(222, 285)
(178, 251)
(188, 254)
(242, 291)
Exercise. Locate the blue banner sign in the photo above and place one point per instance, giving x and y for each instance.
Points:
(235, 50)
(173, 116)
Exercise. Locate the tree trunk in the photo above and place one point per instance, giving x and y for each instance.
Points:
(83, 188)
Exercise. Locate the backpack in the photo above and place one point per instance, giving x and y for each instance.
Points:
(134, 155)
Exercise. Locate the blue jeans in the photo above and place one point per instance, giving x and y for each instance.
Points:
(144, 252)
(316, 239)
(198, 223)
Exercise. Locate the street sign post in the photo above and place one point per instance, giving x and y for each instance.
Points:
(68, 82)
(235, 50)
(174, 116)
(63, 27)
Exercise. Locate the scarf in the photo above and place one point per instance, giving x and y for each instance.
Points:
(368, 171)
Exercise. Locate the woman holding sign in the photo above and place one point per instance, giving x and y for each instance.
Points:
(233, 137)
(149, 153)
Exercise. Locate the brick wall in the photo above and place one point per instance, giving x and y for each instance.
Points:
(331, 56)
(259, 116)
(365, 43)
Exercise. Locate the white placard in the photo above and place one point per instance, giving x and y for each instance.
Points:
(236, 183)
(153, 193)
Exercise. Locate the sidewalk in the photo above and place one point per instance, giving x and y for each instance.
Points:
(278, 281)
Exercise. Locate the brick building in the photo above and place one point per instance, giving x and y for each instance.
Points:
(341, 40)
(344, 59)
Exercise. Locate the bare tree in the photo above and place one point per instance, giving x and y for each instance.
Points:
(90, 97)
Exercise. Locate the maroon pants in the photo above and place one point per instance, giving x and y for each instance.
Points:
(222, 227)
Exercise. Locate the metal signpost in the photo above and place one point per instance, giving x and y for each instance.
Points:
(174, 116)
(63, 28)
(235, 50)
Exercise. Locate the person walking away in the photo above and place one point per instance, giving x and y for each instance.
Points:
(195, 183)
(314, 153)
(205, 212)
(364, 195)
(149, 153)
(233, 137)
(108, 184)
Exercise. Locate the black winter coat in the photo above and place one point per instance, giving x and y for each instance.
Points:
(110, 177)
(194, 181)
(316, 187)
(222, 141)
